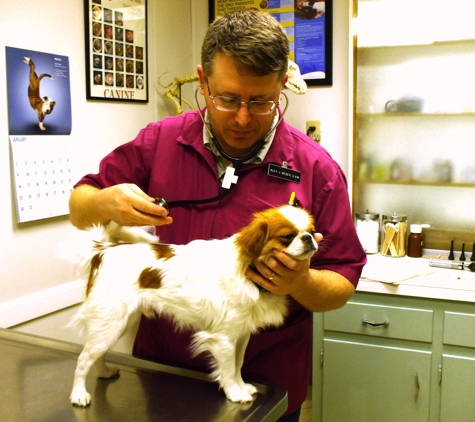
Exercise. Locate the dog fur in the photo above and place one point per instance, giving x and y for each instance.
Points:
(200, 286)
(42, 106)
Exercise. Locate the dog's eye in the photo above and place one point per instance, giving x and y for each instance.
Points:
(287, 240)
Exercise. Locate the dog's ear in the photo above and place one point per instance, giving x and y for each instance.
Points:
(251, 239)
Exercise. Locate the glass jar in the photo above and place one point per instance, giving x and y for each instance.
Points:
(393, 235)
(367, 229)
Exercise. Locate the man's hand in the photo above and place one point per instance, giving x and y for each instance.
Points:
(280, 273)
(316, 290)
(126, 204)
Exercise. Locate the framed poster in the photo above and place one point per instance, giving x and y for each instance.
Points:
(308, 25)
(116, 50)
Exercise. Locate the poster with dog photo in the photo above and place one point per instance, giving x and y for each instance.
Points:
(39, 94)
(116, 50)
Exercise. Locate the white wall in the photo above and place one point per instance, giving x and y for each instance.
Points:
(30, 275)
(32, 280)
(331, 105)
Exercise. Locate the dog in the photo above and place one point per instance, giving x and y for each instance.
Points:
(42, 106)
(200, 286)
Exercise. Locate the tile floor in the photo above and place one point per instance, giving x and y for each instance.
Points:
(306, 414)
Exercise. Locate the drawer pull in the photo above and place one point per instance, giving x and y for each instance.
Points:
(375, 324)
(417, 388)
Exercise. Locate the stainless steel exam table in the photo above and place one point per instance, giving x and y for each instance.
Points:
(36, 376)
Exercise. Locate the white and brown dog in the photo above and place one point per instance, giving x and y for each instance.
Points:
(200, 285)
(42, 106)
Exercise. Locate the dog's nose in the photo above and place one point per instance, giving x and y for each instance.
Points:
(307, 239)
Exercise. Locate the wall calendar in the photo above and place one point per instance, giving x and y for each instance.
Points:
(39, 105)
(42, 175)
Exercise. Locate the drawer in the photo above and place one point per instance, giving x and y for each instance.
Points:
(459, 329)
(390, 322)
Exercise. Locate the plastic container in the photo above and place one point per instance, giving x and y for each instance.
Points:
(415, 240)
(393, 235)
(367, 229)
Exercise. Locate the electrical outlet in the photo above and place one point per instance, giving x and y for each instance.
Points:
(313, 130)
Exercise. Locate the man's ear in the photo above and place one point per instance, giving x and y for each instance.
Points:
(286, 78)
(201, 76)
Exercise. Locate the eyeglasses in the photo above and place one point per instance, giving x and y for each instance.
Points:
(231, 104)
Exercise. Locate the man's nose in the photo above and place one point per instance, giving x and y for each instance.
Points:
(243, 116)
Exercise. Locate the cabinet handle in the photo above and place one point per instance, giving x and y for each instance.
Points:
(375, 324)
(416, 391)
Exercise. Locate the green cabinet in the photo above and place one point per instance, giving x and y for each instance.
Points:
(458, 384)
(365, 382)
(458, 377)
(392, 358)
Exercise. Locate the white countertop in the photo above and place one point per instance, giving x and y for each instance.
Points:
(414, 277)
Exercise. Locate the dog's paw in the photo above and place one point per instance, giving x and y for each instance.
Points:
(251, 389)
(238, 394)
(80, 397)
(107, 372)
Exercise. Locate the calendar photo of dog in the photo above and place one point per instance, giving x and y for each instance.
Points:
(38, 92)
(200, 286)
(42, 106)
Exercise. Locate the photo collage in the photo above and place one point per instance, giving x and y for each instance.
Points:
(118, 60)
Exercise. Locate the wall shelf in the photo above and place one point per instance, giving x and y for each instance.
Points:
(415, 183)
(420, 44)
(417, 162)
(422, 115)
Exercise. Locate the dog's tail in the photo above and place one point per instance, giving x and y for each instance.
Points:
(101, 237)
(84, 245)
(112, 234)
(116, 233)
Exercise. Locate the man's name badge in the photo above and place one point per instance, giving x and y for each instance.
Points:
(283, 172)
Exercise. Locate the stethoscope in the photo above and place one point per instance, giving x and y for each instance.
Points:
(235, 161)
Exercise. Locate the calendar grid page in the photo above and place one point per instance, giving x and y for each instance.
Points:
(42, 175)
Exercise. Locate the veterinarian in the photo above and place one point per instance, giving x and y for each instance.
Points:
(190, 157)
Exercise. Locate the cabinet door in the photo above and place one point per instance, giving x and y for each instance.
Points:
(371, 383)
(457, 403)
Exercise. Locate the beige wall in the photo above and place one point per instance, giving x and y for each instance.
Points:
(32, 280)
